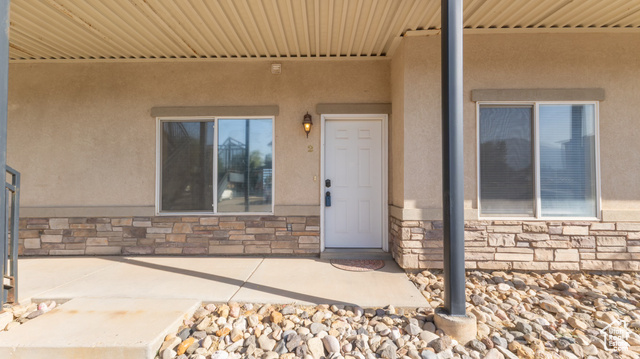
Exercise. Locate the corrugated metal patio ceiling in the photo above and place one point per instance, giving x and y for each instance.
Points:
(46, 30)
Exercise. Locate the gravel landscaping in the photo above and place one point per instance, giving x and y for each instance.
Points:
(520, 315)
(20, 314)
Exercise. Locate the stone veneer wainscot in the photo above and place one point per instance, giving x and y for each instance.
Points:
(522, 245)
(193, 235)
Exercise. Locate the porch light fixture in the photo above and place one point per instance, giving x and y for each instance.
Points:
(307, 122)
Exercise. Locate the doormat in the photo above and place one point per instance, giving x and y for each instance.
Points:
(358, 265)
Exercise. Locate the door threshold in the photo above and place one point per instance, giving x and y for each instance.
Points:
(355, 253)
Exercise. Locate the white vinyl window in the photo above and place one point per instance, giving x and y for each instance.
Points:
(215, 165)
(538, 160)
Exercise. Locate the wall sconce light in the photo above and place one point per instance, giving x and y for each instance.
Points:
(307, 122)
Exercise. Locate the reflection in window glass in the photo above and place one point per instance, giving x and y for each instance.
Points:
(245, 165)
(567, 160)
(187, 166)
(506, 161)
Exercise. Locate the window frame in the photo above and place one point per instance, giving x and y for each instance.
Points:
(214, 210)
(536, 158)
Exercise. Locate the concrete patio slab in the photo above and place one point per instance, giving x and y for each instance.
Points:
(37, 275)
(312, 281)
(202, 278)
(122, 307)
(215, 279)
(97, 328)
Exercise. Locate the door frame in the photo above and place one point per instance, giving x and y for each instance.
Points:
(384, 119)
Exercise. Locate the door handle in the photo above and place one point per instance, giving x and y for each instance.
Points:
(327, 199)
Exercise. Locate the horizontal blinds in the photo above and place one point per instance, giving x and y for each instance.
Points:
(567, 160)
(506, 161)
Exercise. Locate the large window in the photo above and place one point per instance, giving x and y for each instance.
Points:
(238, 151)
(538, 160)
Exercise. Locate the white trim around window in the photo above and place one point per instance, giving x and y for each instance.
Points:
(536, 158)
(214, 211)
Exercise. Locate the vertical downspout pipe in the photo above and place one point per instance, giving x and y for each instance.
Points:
(452, 158)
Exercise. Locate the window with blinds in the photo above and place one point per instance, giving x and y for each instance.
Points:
(216, 165)
(538, 160)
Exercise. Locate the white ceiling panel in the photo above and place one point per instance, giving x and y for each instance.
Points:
(49, 30)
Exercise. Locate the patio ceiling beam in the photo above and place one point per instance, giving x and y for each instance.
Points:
(134, 25)
(343, 25)
(265, 19)
(561, 19)
(543, 19)
(16, 49)
(381, 22)
(243, 28)
(83, 25)
(629, 14)
(276, 10)
(487, 13)
(210, 19)
(510, 8)
(470, 11)
(432, 22)
(330, 27)
(172, 15)
(200, 27)
(388, 32)
(395, 39)
(354, 28)
(422, 18)
(305, 23)
(254, 22)
(292, 21)
(316, 14)
(125, 31)
(605, 14)
(32, 46)
(367, 27)
(181, 48)
(26, 19)
(518, 14)
(94, 15)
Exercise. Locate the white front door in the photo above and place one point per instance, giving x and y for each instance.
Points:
(353, 164)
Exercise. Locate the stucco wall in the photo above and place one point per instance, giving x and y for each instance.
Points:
(609, 61)
(82, 134)
(396, 129)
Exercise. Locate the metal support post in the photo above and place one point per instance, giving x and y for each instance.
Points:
(4, 89)
(452, 158)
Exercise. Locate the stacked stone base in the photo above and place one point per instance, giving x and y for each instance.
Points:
(520, 245)
(195, 235)
(489, 245)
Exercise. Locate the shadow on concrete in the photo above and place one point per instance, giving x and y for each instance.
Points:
(236, 282)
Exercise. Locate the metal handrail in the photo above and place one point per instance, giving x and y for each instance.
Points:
(9, 247)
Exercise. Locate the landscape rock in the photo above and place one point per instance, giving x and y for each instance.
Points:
(520, 315)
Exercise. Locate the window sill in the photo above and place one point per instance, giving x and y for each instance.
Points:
(211, 214)
(545, 219)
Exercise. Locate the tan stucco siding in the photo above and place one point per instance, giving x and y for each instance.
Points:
(396, 130)
(423, 182)
(608, 61)
(82, 134)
